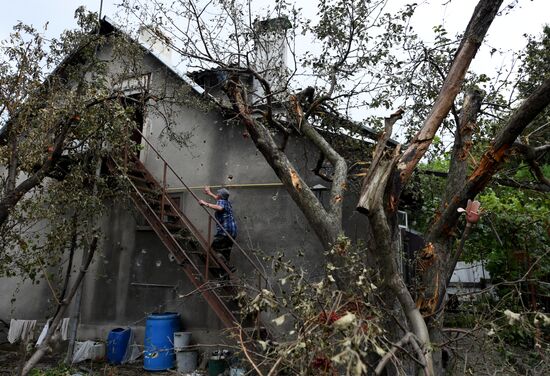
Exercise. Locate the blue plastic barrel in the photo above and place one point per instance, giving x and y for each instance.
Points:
(117, 342)
(159, 341)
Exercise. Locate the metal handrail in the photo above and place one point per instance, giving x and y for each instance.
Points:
(197, 199)
(144, 200)
(229, 315)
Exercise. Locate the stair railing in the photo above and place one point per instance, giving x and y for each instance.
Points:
(168, 168)
(159, 219)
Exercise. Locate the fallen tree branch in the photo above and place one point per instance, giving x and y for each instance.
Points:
(246, 354)
(408, 338)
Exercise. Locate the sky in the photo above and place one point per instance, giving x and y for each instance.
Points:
(506, 33)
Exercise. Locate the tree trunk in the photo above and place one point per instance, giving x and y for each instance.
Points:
(72, 325)
(482, 18)
(492, 160)
(45, 346)
(384, 240)
(435, 255)
(456, 177)
(403, 167)
(373, 203)
(326, 224)
(458, 168)
(75, 319)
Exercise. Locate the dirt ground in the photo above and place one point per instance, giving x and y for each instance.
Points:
(471, 356)
(478, 355)
(10, 360)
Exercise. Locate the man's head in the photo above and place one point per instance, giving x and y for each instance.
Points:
(222, 193)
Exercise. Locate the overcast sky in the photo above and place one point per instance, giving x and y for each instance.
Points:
(507, 30)
(506, 33)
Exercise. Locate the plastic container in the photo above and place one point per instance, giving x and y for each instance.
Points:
(159, 341)
(88, 350)
(117, 343)
(187, 361)
(181, 340)
(216, 365)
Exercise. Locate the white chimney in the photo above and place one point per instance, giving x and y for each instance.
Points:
(270, 46)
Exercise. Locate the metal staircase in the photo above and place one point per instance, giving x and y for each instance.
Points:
(189, 247)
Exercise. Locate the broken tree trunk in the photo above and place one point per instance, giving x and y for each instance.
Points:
(456, 177)
(374, 184)
(401, 171)
(493, 159)
(442, 230)
(458, 168)
(482, 18)
(383, 221)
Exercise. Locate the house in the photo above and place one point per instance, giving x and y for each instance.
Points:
(147, 263)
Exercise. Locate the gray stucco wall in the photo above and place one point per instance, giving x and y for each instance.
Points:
(133, 276)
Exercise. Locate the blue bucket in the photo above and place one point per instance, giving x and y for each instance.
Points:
(117, 343)
(159, 341)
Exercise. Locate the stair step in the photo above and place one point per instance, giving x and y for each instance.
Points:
(186, 237)
(139, 179)
(133, 171)
(192, 252)
(169, 226)
(156, 191)
(156, 202)
(172, 226)
(182, 244)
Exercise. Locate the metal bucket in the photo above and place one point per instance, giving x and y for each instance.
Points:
(187, 361)
(181, 340)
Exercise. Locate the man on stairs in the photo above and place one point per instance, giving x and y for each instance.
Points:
(223, 212)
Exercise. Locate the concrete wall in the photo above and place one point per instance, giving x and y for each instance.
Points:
(133, 276)
(20, 298)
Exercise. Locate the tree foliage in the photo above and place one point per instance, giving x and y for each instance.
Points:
(362, 57)
(356, 65)
(60, 117)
